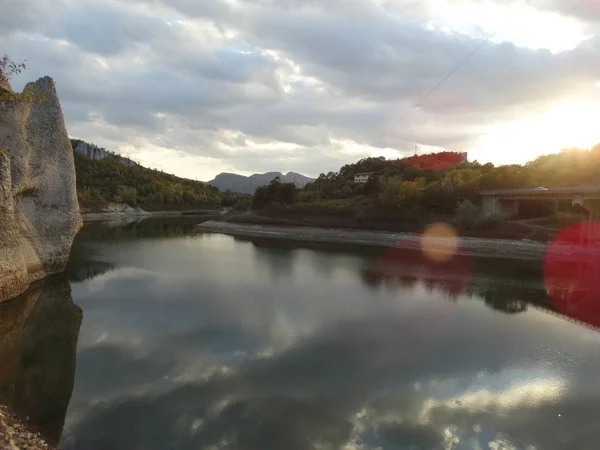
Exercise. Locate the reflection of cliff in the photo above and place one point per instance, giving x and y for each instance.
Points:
(146, 228)
(83, 263)
(38, 339)
(86, 270)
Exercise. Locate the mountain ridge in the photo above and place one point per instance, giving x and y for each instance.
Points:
(234, 182)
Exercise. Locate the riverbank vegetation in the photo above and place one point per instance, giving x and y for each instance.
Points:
(419, 189)
(104, 181)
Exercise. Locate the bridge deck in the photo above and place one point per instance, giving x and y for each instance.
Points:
(572, 190)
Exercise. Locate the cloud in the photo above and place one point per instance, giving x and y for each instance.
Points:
(172, 81)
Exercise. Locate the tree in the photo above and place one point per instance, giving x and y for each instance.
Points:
(8, 68)
(274, 192)
(400, 194)
(372, 187)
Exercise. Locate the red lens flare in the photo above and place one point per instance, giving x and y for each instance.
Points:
(572, 272)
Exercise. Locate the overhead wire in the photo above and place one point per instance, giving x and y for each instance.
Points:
(454, 70)
(437, 86)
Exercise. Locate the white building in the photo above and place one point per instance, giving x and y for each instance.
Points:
(362, 177)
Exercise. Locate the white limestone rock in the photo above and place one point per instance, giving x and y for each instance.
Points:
(95, 153)
(39, 212)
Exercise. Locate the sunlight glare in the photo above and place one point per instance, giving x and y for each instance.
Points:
(568, 125)
(520, 23)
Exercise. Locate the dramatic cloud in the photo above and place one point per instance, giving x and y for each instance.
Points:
(200, 87)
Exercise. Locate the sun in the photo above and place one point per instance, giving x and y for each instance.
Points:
(573, 124)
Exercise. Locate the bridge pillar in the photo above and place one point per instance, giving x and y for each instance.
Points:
(490, 204)
(592, 206)
(493, 205)
(510, 207)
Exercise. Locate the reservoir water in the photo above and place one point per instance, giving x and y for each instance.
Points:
(161, 336)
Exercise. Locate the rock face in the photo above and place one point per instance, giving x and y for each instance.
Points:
(39, 213)
(93, 152)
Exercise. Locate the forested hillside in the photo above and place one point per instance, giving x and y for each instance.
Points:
(108, 180)
(414, 188)
(419, 187)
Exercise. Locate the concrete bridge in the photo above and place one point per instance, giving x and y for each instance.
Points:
(506, 201)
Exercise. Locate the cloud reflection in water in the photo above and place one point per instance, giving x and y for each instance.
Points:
(202, 358)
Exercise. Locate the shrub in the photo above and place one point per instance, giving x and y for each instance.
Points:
(8, 68)
(466, 214)
(29, 192)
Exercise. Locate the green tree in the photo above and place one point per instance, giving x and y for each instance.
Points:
(128, 195)
(274, 192)
(8, 68)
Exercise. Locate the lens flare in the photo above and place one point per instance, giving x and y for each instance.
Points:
(406, 264)
(439, 243)
(572, 272)
(405, 269)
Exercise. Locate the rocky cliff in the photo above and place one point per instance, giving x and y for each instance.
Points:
(39, 213)
(93, 152)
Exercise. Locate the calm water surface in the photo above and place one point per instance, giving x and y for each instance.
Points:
(193, 340)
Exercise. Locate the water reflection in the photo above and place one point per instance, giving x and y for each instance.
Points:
(190, 343)
(509, 291)
(571, 269)
(278, 261)
(38, 337)
(140, 228)
(403, 268)
(349, 385)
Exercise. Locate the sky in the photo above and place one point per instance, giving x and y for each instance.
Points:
(197, 88)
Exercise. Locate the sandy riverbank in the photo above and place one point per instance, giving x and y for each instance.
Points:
(500, 248)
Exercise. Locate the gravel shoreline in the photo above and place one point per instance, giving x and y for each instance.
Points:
(498, 248)
(137, 216)
(15, 436)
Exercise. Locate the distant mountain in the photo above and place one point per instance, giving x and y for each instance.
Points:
(247, 185)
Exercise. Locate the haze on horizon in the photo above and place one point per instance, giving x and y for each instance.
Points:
(197, 88)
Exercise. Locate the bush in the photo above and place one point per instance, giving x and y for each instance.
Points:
(29, 192)
(489, 221)
(8, 68)
(242, 204)
(466, 214)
